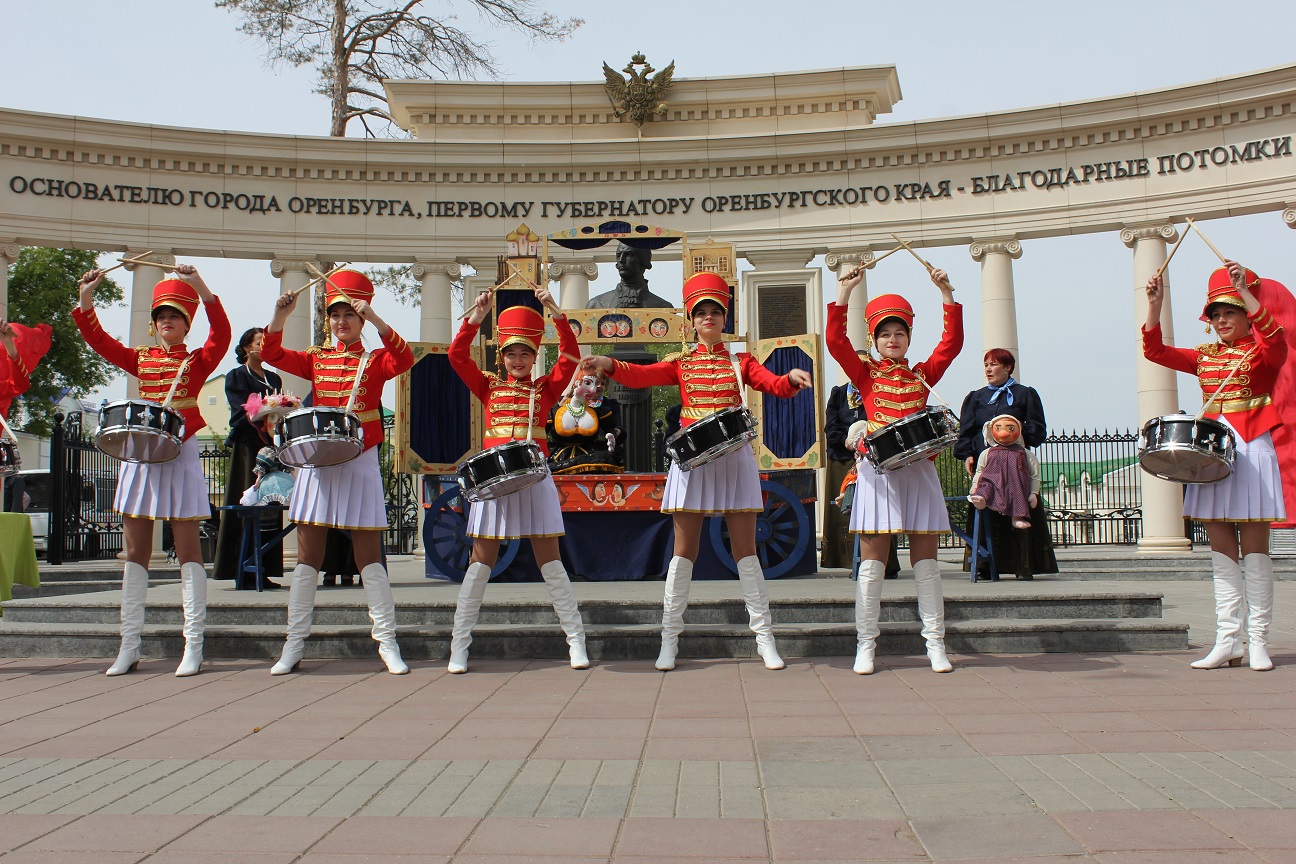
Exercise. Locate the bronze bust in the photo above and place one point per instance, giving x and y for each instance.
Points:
(632, 291)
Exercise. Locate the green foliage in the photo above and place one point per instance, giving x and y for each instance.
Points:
(42, 288)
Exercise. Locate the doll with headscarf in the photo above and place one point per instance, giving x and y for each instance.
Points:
(273, 483)
(1007, 478)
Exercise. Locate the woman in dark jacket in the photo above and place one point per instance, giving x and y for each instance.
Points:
(1028, 551)
(240, 383)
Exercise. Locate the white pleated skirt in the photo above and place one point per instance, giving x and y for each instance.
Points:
(531, 512)
(908, 500)
(1251, 493)
(173, 490)
(730, 484)
(349, 495)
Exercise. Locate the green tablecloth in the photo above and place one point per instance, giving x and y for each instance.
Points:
(17, 554)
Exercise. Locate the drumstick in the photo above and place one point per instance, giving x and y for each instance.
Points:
(491, 290)
(859, 268)
(325, 278)
(321, 278)
(1218, 254)
(921, 260)
(126, 261)
(1173, 250)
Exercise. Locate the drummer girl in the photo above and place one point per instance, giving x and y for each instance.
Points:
(175, 491)
(907, 500)
(729, 485)
(349, 495)
(1241, 506)
(516, 407)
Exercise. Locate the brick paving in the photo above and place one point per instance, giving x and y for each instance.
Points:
(1128, 758)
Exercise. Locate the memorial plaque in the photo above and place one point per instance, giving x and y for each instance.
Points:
(782, 311)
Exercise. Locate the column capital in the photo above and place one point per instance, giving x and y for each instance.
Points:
(979, 249)
(588, 269)
(1289, 216)
(161, 259)
(780, 259)
(9, 250)
(834, 260)
(280, 266)
(423, 269)
(1134, 233)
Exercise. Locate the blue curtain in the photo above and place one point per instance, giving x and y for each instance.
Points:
(789, 424)
(440, 422)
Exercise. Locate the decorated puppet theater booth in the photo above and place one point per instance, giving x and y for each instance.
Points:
(615, 530)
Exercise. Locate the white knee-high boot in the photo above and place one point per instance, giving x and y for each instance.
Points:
(931, 608)
(193, 593)
(467, 610)
(382, 612)
(1257, 573)
(752, 578)
(567, 610)
(868, 611)
(1227, 580)
(679, 573)
(301, 606)
(134, 589)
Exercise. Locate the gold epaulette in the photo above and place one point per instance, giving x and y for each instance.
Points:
(671, 358)
(1211, 348)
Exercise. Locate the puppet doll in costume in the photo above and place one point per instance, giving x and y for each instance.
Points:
(1007, 478)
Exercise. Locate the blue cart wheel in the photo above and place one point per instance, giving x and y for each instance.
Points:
(448, 545)
(782, 532)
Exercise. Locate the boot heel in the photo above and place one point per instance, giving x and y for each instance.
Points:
(1235, 661)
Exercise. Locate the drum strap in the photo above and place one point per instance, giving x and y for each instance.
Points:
(355, 385)
(1236, 366)
(923, 381)
(184, 364)
(7, 430)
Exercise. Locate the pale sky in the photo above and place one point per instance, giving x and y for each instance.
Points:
(182, 63)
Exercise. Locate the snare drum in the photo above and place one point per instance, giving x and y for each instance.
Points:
(711, 437)
(10, 458)
(912, 439)
(1184, 449)
(502, 470)
(133, 430)
(318, 437)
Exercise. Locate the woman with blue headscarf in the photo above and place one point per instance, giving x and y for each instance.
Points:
(1023, 552)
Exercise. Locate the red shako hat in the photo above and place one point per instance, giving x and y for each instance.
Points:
(520, 325)
(886, 306)
(1219, 289)
(705, 286)
(178, 295)
(345, 286)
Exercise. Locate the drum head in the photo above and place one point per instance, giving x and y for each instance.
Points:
(320, 452)
(1185, 465)
(135, 444)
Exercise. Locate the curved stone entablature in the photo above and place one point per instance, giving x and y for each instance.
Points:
(758, 171)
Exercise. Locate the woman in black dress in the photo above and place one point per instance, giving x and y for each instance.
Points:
(1022, 552)
(244, 440)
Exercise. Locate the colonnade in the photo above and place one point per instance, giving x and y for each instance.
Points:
(1157, 387)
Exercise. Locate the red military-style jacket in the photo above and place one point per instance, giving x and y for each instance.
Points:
(706, 379)
(332, 372)
(506, 399)
(156, 366)
(1247, 400)
(892, 390)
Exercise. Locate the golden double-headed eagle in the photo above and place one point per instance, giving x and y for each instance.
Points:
(641, 94)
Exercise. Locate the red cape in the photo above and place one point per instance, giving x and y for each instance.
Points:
(1275, 297)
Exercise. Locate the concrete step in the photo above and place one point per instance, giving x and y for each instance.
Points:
(348, 608)
(626, 642)
(62, 589)
(100, 573)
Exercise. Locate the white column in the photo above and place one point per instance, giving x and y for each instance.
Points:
(143, 280)
(8, 255)
(293, 273)
(573, 278)
(998, 301)
(1158, 391)
(436, 323)
(842, 263)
